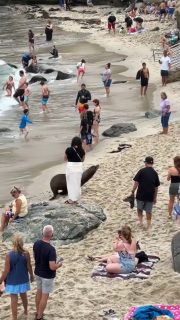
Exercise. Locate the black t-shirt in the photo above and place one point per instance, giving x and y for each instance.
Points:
(90, 117)
(44, 253)
(112, 19)
(84, 124)
(148, 180)
(72, 154)
(128, 21)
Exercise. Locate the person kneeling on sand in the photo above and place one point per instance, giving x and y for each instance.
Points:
(19, 208)
(125, 261)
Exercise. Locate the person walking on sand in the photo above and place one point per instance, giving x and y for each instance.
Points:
(81, 69)
(106, 78)
(23, 125)
(82, 97)
(97, 119)
(9, 85)
(20, 89)
(144, 78)
(45, 96)
(111, 23)
(27, 93)
(174, 177)
(165, 62)
(16, 275)
(146, 181)
(45, 269)
(165, 112)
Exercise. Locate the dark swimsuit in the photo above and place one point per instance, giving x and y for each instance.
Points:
(98, 117)
(9, 86)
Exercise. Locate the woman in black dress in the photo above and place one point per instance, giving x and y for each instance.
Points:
(49, 31)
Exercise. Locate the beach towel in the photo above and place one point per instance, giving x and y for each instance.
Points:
(141, 272)
(174, 309)
(150, 312)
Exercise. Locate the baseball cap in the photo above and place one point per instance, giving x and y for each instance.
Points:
(149, 160)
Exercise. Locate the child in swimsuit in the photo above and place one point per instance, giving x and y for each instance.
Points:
(27, 93)
(9, 85)
(23, 125)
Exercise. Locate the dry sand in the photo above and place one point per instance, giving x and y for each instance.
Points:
(76, 295)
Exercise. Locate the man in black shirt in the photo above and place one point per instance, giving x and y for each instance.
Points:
(128, 22)
(54, 53)
(147, 182)
(83, 96)
(45, 269)
(111, 23)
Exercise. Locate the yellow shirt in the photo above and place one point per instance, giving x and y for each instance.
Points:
(24, 208)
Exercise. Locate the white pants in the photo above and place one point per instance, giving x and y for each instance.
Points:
(74, 171)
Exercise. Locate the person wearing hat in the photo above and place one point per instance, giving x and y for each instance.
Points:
(146, 181)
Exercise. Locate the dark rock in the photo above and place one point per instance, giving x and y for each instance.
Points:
(93, 21)
(85, 27)
(117, 82)
(89, 12)
(5, 130)
(174, 75)
(175, 249)
(155, 29)
(47, 71)
(71, 222)
(12, 65)
(64, 76)
(45, 14)
(153, 113)
(117, 129)
(32, 69)
(37, 78)
(54, 9)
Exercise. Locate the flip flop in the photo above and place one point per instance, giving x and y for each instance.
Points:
(109, 312)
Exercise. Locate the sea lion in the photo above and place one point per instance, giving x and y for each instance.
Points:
(58, 182)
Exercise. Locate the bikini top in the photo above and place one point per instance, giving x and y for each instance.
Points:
(126, 255)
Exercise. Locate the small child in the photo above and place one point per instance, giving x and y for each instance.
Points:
(27, 93)
(23, 124)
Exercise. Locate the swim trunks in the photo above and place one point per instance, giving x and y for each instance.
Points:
(81, 107)
(111, 25)
(144, 82)
(26, 99)
(81, 70)
(170, 10)
(19, 93)
(44, 99)
(162, 11)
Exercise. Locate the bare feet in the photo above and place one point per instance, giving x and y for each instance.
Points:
(169, 216)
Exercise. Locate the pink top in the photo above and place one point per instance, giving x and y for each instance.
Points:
(164, 104)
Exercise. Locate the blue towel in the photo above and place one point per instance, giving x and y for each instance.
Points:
(150, 312)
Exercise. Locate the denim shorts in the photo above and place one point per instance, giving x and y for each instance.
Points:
(127, 266)
(165, 120)
(108, 83)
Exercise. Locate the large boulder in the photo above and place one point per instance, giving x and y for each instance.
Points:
(117, 129)
(174, 75)
(175, 249)
(64, 76)
(153, 113)
(4, 130)
(12, 65)
(37, 78)
(71, 222)
(32, 69)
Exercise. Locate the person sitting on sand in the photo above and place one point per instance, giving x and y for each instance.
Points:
(125, 261)
(174, 176)
(9, 85)
(89, 3)
(19, 208)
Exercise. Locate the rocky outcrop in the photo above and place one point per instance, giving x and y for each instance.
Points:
(174, 75)
(153, 113)
(12, 65)
(4, 130)
(117, 129)
(37, 79)
(71, 222)
(175, 249)
(114, 3)
(64, 76)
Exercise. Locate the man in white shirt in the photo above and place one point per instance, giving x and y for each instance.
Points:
(165, 67)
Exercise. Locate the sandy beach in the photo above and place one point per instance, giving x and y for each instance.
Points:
(77, 296)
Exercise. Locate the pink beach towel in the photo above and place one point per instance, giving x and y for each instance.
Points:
(174, 309)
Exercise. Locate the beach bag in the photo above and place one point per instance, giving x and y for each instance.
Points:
(138, 75)
(142, 257)
(89, 138)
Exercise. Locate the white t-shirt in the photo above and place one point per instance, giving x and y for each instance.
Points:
(165, 63)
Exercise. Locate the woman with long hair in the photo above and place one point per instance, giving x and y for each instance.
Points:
(19, 208)
(74, 156)
(165, 112)
(31, 40)
(125, 261)
(83, 129)
(16, 274)
(106, 78)
(174, 177)
(97, 119)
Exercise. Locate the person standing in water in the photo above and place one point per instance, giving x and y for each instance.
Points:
(97, 119)
(31, 40)
(20, 89)
(49, 31)
(106, 78)
(81, 69)
(27, 93)
(144, 78)
(45, 96)
(83, 96)
(23, 125)
(9, 85)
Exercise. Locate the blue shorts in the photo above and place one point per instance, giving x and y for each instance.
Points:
(108, 83)
(44, 100)
(170, 10)
(165, 120)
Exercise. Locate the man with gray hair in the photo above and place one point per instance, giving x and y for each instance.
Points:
(45, 269)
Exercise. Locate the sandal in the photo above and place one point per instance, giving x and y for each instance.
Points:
(109, 312)
(67, 202)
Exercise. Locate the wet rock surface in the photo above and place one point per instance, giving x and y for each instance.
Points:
(117, 129)
(71, 222)
(153, 113)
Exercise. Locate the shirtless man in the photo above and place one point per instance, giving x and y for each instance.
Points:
(20, 89)
(45, 96)
(163, 10)
(144, 78)
(171, 7)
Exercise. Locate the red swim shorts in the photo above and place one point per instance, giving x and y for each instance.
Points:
(81, 70)
(111, 25)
